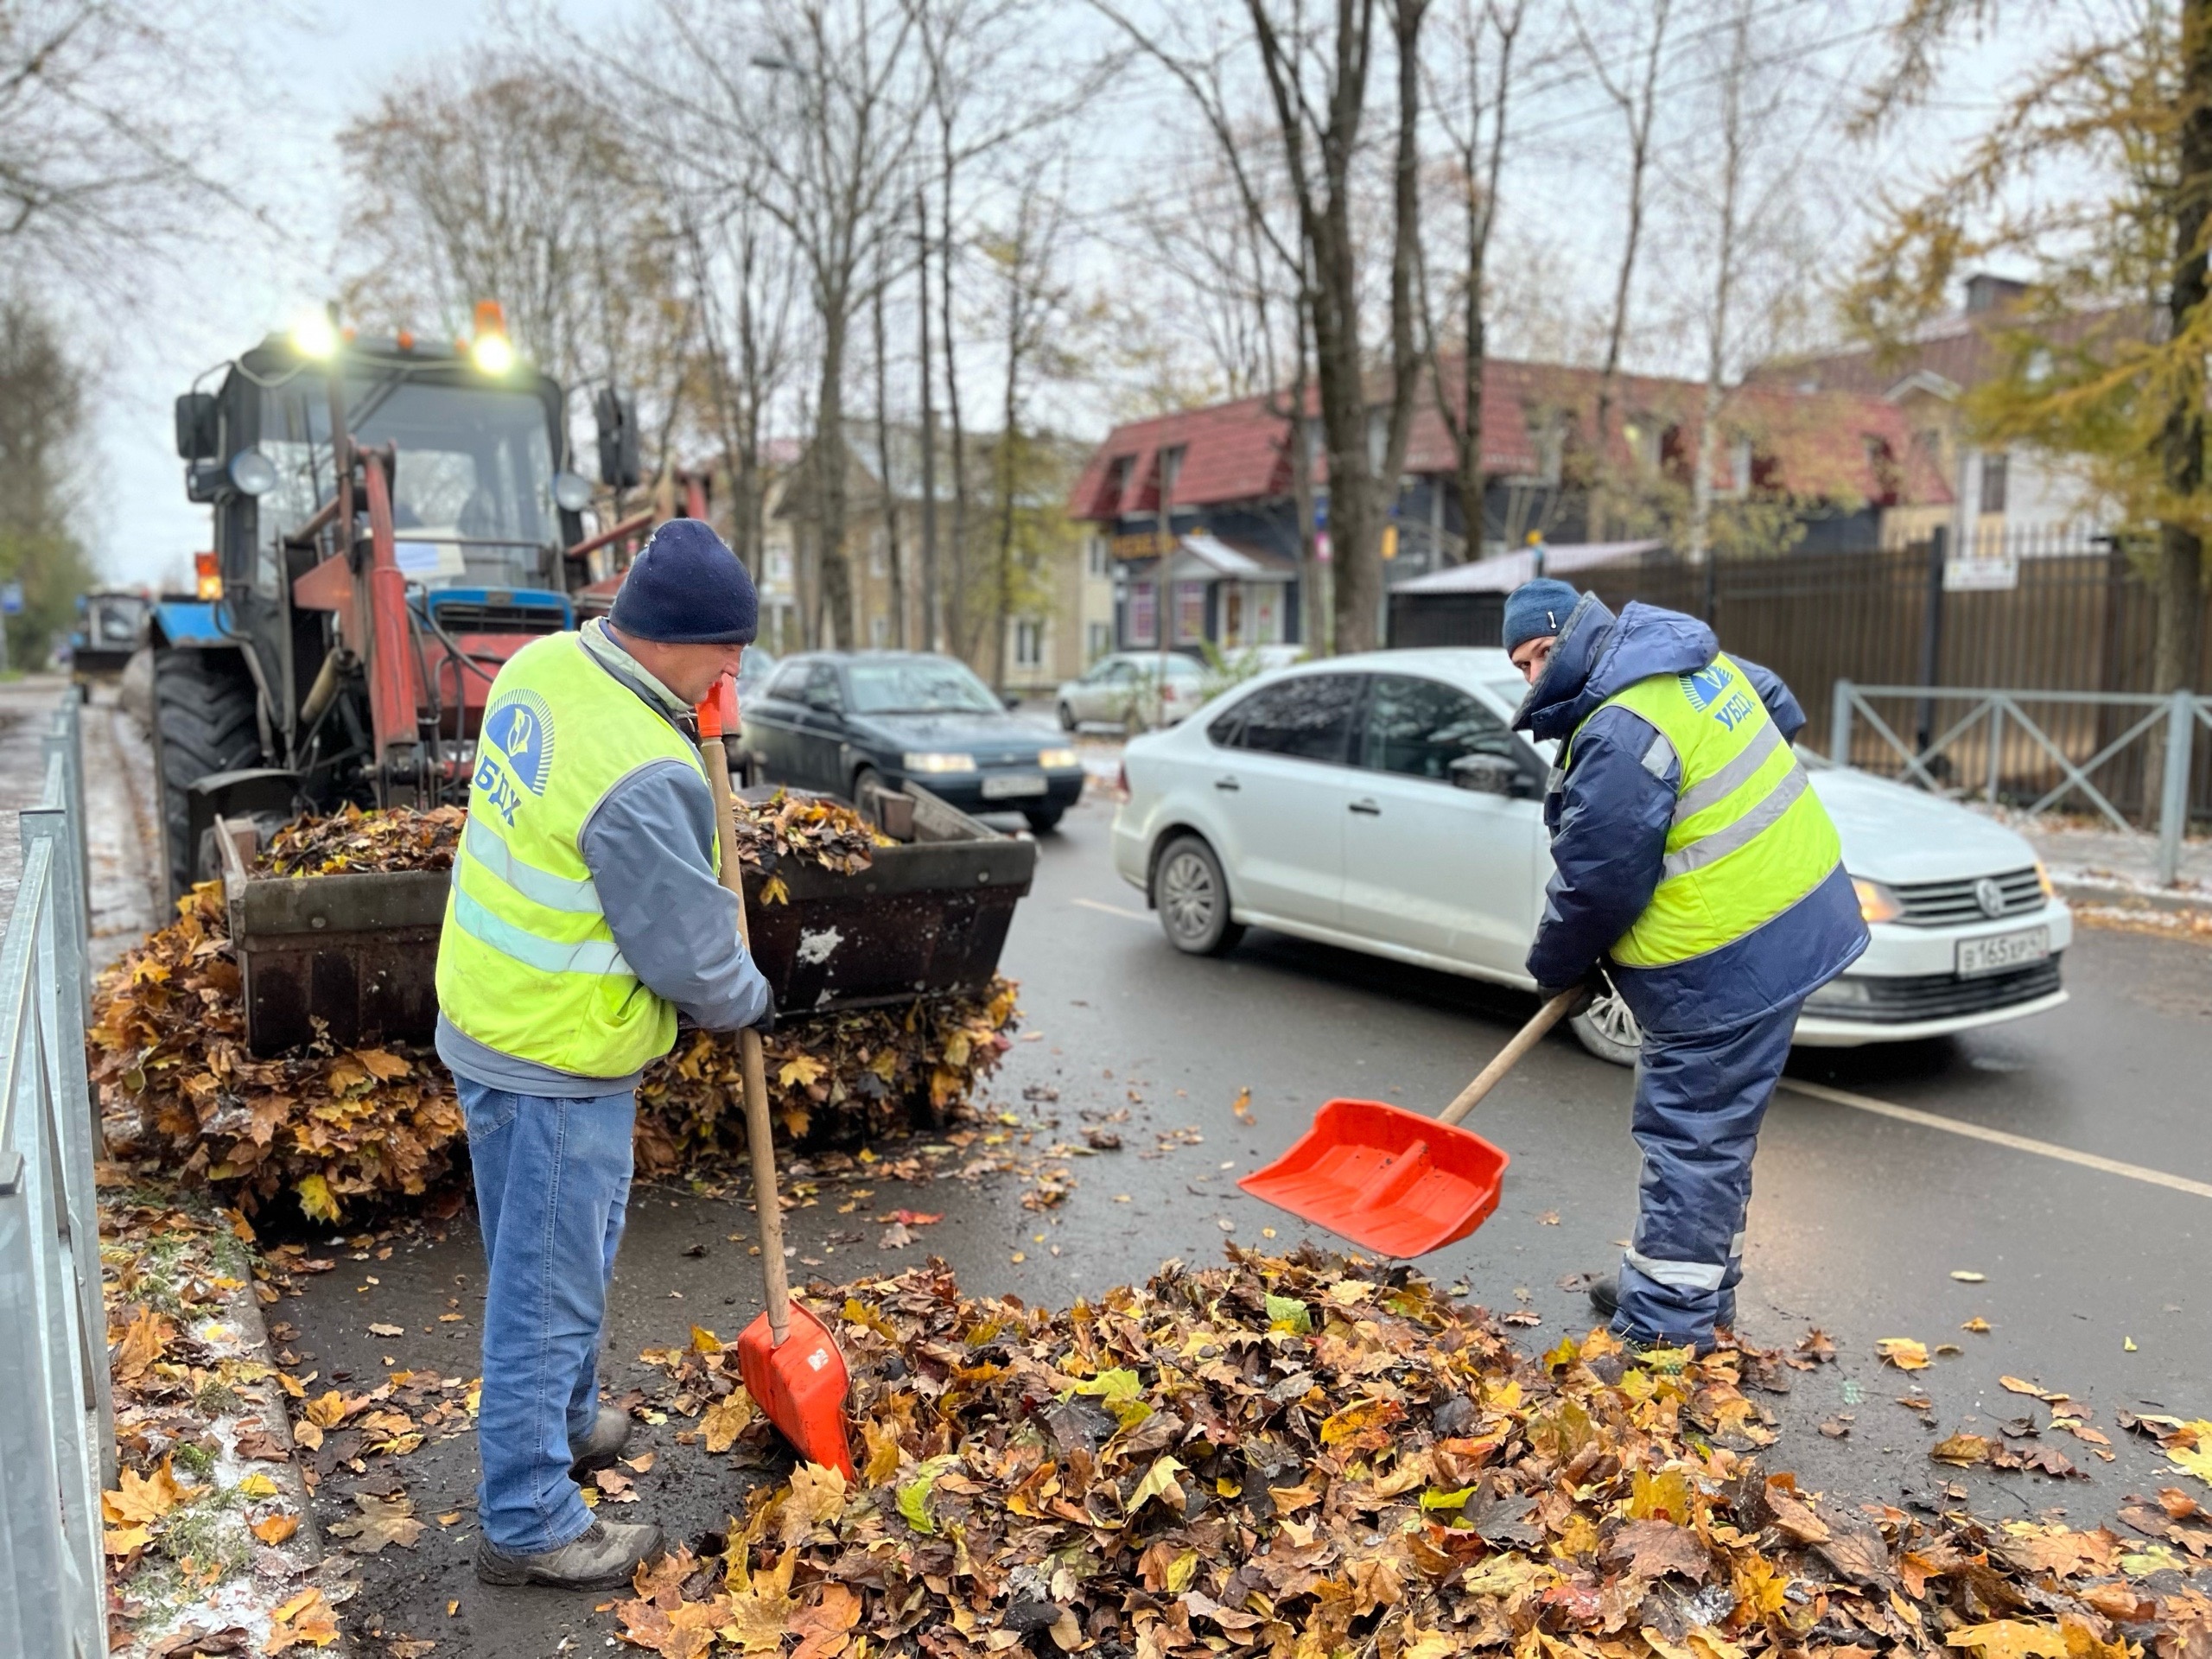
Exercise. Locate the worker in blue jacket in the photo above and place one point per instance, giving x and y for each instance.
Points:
(1698, 873)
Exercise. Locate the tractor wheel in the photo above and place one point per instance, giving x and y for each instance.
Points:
(204, 722)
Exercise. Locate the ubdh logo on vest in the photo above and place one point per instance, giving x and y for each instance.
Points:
(517, 730)
(1704, 690)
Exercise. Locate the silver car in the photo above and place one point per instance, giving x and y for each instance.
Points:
(1121, 690)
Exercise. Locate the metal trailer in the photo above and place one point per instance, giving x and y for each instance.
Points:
(355, 956)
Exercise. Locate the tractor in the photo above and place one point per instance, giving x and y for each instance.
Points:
(393, 518)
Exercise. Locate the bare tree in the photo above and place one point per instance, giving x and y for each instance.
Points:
(1638, 99)
(1033, 305)
(887, 479)
(1316, 76)
(1478, 164)
(106, 130)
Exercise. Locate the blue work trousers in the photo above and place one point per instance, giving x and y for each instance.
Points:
(552, 1182)
(1699, 1103)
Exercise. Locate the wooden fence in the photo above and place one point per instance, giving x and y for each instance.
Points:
(2075, 621)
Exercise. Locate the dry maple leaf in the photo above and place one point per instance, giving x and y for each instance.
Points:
(726, 1420)
(823, 1626)
(141, 1498)
(817, 1494)
(2011, 1638)
(306, 1617)
(1961, 1450)
(1904, 1353)
(1652, 1549)
(275, 1529)
(382, 1520)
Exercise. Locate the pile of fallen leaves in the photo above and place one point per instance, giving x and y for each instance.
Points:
(856, 1075)
(1311, 1458)
(811, 828)
(346, 1129)
(204, 1500)
(353, 841)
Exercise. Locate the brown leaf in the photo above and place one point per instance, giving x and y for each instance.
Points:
(275, 1529)
(1653, 1549)
(823, 1625)
(1963, 1450)
(382, 1520)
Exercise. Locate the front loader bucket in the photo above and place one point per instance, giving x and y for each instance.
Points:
(1390, 1180)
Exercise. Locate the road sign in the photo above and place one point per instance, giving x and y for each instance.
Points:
(11, 598)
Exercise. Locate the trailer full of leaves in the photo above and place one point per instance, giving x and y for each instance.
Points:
(348, 1128)
(1312, 1457)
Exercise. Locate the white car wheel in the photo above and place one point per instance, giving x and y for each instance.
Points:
(1192, 896)
(1608, 1030)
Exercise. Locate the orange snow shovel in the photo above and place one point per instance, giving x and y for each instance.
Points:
(791, 1363)
(1391, 1180)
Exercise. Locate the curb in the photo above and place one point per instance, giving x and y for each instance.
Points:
(2120, 897)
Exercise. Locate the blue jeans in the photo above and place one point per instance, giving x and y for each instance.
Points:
(552, 1181)
(1698, 1104)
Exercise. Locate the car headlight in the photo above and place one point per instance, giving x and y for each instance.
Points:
(1051, 757)
(932, 761)
(2043, 880)
(1876, 902)
(1843, 992)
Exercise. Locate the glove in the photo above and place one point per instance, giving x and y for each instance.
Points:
(1585, 991)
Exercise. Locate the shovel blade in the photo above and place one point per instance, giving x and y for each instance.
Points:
(801, 1386)
(1390, 1180)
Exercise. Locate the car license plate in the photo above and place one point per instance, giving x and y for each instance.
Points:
(2002, 952)
(1017, 784)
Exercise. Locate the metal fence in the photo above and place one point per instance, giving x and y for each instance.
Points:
(2076, 619)
(57, 1422)
(2001, 744)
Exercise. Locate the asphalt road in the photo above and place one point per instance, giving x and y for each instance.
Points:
(2094, 1280)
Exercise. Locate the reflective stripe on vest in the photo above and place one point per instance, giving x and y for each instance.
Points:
(1747, 837)
(527, 965)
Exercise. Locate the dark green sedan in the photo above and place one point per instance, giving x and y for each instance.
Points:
(852, 722)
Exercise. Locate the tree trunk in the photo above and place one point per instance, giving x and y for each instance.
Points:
(888, 484)
(1638, 111)
(835, 574)
(960, 630)
(1716, 357)
(2178, 644)
(932, 631)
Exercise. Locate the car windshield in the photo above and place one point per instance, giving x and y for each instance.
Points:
(472, 503)
(919, 685)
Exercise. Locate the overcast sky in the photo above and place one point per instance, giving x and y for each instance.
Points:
(316, 69)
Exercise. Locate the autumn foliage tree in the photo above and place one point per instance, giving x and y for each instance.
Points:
(2095, 175)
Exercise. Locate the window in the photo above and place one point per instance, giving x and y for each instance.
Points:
(920, 685)
(1141, 614)
(1307, 718)
(1417, 728)
(1993, 469)
(1095, 557)
(823, 690)
(1099, 640)
(1028, 643)
(879, 632)
(1190, 611)
(790, 682)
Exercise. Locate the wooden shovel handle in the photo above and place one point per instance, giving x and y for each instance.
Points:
(759, 1134)
(1509, 1057)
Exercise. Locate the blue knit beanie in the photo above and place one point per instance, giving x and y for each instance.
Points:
(1536, 608)
(687, 588)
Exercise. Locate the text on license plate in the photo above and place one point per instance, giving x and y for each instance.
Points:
(1995, 955)
(1000, 789)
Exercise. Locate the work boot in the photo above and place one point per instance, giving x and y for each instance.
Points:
(604, 1556)
(610, 1433)
(1605, 1294)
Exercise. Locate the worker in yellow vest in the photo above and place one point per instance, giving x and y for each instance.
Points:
(1698, 877)
(585, 914)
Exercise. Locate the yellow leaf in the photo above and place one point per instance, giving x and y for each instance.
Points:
(882, 1451)
(275, 1529)
(817, 1494)
(139, 1498)
(1159, 1482)
(121, 1540)
(800, 1072)
(726, 1420)
(326, 1410)
(315, 1197)
(1904, 1353)
(257, 1484)
(2011, 1638)
(704, 1341)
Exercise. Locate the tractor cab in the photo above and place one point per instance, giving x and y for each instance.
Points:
(392, 519)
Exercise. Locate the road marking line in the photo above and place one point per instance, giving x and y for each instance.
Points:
(1111, 910)
(1999, 1137)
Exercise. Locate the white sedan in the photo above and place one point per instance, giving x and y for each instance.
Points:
(1380, 803)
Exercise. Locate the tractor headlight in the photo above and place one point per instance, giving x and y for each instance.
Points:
(1051, 759)
(252, 472)
(314, 336)
(493, 355)
(930, 761)
(571, 492)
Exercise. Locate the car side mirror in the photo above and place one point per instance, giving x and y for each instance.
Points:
(1485, 775)
(1011, 699)
(198, 436)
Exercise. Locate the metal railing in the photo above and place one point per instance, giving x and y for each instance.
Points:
(57, 1420)
(1995, 732)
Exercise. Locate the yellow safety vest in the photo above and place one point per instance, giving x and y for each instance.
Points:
(527, 964)
(1749, 837)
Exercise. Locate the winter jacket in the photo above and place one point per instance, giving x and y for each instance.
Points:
(1609, 814)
